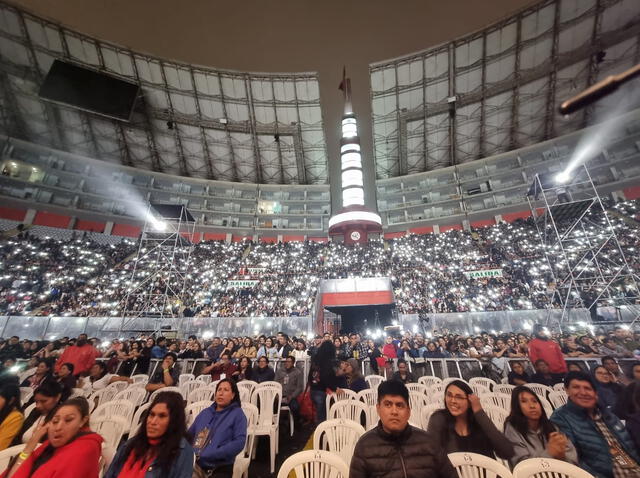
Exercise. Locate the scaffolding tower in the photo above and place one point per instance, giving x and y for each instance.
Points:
(156, 290)
(585, 258)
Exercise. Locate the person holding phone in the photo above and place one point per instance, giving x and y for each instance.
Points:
(531, 432)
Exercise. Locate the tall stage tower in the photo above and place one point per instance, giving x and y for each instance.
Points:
(354, 222)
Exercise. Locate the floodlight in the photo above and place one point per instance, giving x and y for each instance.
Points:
(563, 177)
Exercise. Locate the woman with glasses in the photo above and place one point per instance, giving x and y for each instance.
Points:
(463, 426)
(262, 372)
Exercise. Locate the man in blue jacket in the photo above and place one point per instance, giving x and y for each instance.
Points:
(220, 431)
(604, 447)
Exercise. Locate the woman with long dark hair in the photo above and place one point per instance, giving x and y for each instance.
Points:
(244, 371)
(160, 445)
(44, 371)
(220, 431)
(463, 426)
(71, 449)
(47, 398)
(11, 417)
(322, 376)
(531, 432)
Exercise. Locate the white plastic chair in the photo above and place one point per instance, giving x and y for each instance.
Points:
(185, 377)
(338, 436)
(193, 410)
(267, 397)
(118, 386)
(314, 464)
(447, 381)
(350, 410)
(435, 394)
(482, 382)
(135, 395)
(8, 453)
(559, 387)
(500, 400)
(417, 388)
(137, 417)
(99, 397)
(343, 394)
(204, 378)
(140, 378)
(77, 392)
(189, 386)
(243, 459)
(200, 394)
(548, 467)
(368, 396)
(165, 389)
(473, 465)
(558, 398)
(429, 380)
(417, 401)
(541, 390)
(426, 412)
(248, 386)
(374, 381)
(25, 394)
(497, 415)
(503, 388)
(372, 417)
(111, 429)
(116, 408)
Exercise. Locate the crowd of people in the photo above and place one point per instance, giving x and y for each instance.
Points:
(598, 399)
(430, 272)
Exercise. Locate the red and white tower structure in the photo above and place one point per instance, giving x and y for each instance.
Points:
(354, 222)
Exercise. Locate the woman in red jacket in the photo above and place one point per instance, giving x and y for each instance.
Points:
(70, 451)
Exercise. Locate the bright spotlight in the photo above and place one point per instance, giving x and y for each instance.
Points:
(563, 177)
(160, 226)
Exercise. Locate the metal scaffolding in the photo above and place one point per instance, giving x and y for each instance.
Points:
(585, 258)
(157, 286)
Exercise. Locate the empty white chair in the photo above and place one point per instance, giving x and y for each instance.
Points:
(435, 394)
(541, 390)
(374, 381)
(135, 395)
(338, 436)
(248, 386)
(473, 465)
(353, 410)
(189, 386)
(314, 464)
(165, 389)
(115, 408)
(267, 397)
(140, 378)
(429, 380)
(99, 397)
(426, 412)
(185, 377)
(417, 402)
(504, 388)
(194, 409)
(481, 384)
(137, 417)
(417, 387)
(500, 400)
(111, 429)
(200, 394)
(498, 415)
(342, 394)
(368, 396)
(558, 398)
(548, 467)
(243, 459)
(25, 394)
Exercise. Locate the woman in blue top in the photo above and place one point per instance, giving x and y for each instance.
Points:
(160, 448)
(220, 431)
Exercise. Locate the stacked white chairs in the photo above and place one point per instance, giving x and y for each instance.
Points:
(429, 380)
(137, 417)
(374, 381)
(497, 415)
(25, 394)
(547, 468)
(165, 389)
(194, 409)
(115, 408)
(500, 400)
(342, 394)
(559, 387)
(417, 387)
(200, 394)
(185, 377)
(246, 388)
(189, 386)
(368, 396)
(353, 410)
(206, 378)
(267, 397)
(426, 412)
(417, 401)
(111, 429)
(314, 464)
(338, 436)
(558, 398)
(541, 390)
(135, 395)
(504, 388)
(473, 465)
(140, 378)
(481, 384)
(243, 459)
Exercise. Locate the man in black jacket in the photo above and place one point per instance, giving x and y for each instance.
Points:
(395, 449)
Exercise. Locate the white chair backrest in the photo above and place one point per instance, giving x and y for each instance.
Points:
(165, 389)
(185, 377)
(338, 436)
(249, 385)
(353, 410)
(417, 402)
(25, 394)
(372, 417)
(251, 414)
(498, 415)
(374, 381)
(558, 398)
(541, 390)
(447, 381)
(559, 387)
(435, 394)
(200, 394)
(189, 386)
(8, 453)
(369, 396)
(501, 400)
(115, 408)
(483, 382)
(204, 378)
(111, 429)
(473, 465)
(429, 380)
(503, 388)
(343, 394)
(134, 395)
(267, 397)
(135, 422)
(118, 386)
(99, 397)
(426, 412)
(193, 410)
(314, 464)
(77, 392)
(548, 467)
(417, 387)
(140, 378)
